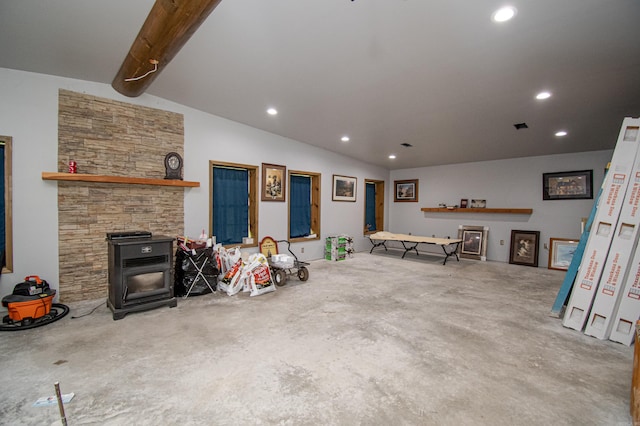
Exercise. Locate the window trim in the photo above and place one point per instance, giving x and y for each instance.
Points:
(316, 179)
(8, 209)
(253, 198)
(379, 206)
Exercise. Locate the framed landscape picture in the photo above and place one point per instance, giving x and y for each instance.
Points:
(561, 252)
(567, 185)
(273, 182)
(406, 190)
(344, 188)
(524, 248)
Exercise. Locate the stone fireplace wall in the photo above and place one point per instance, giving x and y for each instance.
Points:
(107, 137)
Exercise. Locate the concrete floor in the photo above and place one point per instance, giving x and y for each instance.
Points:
(373, 340)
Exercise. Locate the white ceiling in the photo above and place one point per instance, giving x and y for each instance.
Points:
(437, 74)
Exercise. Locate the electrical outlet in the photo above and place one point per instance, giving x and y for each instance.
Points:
(302, 250)
(501, 242)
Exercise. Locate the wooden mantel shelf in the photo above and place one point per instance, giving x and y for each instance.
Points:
(475, 210)
(80, 177)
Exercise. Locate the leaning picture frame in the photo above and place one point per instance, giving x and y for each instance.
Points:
(474, 241)
(477, 203)
(574, 185)
(274, 179)
(406, 190)
(344, 188)
(561, 251)
(524, 248)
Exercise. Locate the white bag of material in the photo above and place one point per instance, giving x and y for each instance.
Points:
(229, 282)
(221, 254)
(259, 275)
(228, 259)
(233, 255)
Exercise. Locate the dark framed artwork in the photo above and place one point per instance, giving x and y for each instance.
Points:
(474, 241)
(524, 248)
(344, 188)
(406, 190)
(575, 185)
(561, 252)
(273, 182)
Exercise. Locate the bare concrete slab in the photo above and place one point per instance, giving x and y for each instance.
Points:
(372, 340)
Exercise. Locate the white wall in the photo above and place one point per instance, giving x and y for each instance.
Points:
(29, 114)
(214, 138)
(515, 183)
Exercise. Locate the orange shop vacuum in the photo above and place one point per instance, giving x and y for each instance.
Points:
(31, 305)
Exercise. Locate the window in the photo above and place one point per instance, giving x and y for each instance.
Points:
(233, 203)
(304, 206)
(6, 225)
(374, 206)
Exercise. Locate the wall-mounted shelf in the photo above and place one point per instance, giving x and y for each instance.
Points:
(80, 177)
(475, 210)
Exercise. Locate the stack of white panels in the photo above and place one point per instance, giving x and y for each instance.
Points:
(604, 226)
(615, 271)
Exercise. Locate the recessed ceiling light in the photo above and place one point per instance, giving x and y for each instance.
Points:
(345, 138)
(543, 95)
(561, 133)
(504, 14)
(392, 156)
(272, 111)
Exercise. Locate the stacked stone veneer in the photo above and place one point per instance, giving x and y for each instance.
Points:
(107, 137)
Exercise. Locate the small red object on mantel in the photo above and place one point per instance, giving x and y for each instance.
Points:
(73, 167)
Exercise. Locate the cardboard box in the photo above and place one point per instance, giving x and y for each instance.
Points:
(604, 225)
(337, 247)
(336, 254)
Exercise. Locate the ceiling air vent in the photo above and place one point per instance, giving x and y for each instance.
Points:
(519, 126)
(406, 145)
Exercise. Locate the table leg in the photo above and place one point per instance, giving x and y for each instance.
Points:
(407, 249)
(453, 252)
(378, 245)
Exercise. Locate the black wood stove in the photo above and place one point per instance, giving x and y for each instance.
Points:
(139, 272)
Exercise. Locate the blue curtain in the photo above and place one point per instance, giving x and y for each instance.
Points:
(230, 205)
(299, 206)
(370, 212)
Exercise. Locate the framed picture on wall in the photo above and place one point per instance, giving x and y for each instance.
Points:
(406, 190)
(561, 252)
(567, 185)
(274, 179)
(344, 188)
(524, 248)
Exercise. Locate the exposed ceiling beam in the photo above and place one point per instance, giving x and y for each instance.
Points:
(168, 26)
